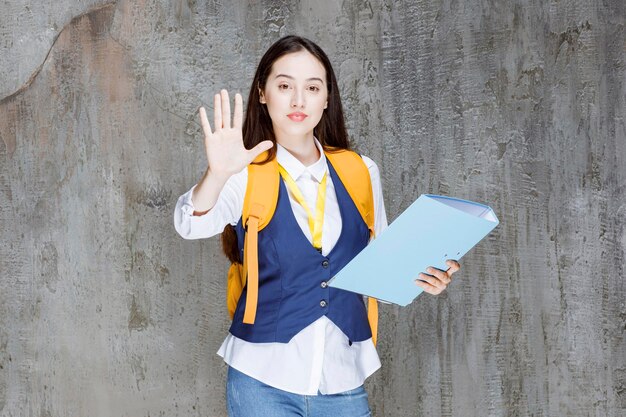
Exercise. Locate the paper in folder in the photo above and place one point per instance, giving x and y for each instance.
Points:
(431, 230)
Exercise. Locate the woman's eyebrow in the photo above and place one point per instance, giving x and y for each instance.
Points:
(292, 78)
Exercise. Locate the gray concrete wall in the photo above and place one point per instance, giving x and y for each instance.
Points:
(106, 311)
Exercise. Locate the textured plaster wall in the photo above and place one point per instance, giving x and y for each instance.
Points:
(106, 311)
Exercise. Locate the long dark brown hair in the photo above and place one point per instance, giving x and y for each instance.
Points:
(257, 127)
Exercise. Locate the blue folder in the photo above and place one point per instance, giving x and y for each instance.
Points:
(431, 230)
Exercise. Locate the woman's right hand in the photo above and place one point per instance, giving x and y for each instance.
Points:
(225, 151)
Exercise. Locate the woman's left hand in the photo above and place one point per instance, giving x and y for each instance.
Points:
(438, 280)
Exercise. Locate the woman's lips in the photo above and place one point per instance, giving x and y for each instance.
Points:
(297, 116)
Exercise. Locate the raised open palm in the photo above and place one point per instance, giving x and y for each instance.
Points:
(224, 147)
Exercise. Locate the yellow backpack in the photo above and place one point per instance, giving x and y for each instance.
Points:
(259, 206)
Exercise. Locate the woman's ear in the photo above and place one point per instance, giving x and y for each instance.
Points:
(261, 97)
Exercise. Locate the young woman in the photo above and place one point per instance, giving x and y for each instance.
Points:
(310, 348)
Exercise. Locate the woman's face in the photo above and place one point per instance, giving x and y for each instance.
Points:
(296, 94)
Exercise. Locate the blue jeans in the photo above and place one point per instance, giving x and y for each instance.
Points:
(248, 397)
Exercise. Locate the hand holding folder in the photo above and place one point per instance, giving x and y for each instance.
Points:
(435, 281)
(430, 231)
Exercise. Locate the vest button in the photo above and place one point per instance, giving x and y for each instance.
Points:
(325, 263)
(324, 284)
(323, 303)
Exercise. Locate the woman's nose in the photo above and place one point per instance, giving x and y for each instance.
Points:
(297, 98)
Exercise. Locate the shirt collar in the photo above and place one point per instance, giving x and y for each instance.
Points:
(295, 168)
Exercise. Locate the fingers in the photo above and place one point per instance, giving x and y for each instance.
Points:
(221, 111)
(438, 280)
(435, 281)
(454, 266)
(204, 122)
(429, 288)
(217, 112)
(226, 122)
(237, 123)
(260, 148)
(439, 274)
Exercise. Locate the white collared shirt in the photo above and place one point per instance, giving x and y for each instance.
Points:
(319, 358)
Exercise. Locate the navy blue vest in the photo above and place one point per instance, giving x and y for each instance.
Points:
(293, 274)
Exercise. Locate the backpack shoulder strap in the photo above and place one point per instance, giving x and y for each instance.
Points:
(355, 176)
(261, 192)
(258, 208)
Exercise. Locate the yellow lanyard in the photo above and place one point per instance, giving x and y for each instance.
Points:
(315, 223)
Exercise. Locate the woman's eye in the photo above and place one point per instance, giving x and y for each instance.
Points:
(314, 88)
(283, 86)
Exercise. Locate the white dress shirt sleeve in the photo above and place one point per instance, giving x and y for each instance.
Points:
(226, 210)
